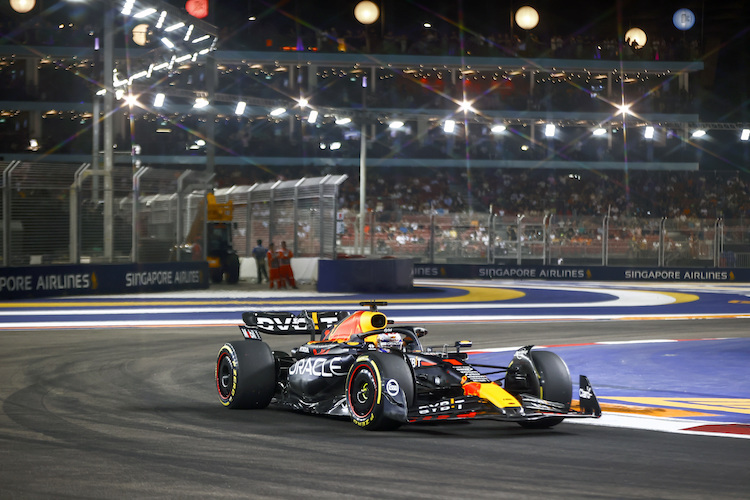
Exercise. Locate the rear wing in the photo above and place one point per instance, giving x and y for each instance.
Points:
(286, 323)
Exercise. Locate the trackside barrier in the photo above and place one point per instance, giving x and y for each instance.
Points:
(101, 279)
(580, 273)
(365, 275)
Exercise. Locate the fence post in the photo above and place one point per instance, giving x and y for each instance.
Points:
(546, 253)
(74, 228)
(136, 209)
(661, 259)
(249, 236)
(718, 241)
(295, 215)
(321, 222)
(519, 232)
(180, 216)
(491, 237)
(605, 240)
(272, 212)
(7, 212)
(371, 216)
(432, 236)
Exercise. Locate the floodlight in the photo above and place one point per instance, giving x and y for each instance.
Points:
(600, 131)
(200, 102)
(240, 108)
(396, 124)
(745, 134)
(313, 117)
(698, 133)
(449, 126)
(160, 21)
(138, 75)
(465, 106)
(159, 100)
(174, 27)
(343, 121)
(624, 108)
(335, 145)
(549, 130)
(277, 111)
(144, 13)
(127, 8)
(496, 129)
(649, 133)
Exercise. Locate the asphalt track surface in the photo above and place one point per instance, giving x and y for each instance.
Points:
(123, 412)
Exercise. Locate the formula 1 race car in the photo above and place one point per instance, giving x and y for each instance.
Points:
(363, 366)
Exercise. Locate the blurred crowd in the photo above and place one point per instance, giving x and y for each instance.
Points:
(531, 192)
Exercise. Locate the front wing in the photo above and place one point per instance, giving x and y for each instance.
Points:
(530, 408)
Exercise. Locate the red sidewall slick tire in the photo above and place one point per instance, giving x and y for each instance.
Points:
(245, 375)
(365, 396)
(363, 391)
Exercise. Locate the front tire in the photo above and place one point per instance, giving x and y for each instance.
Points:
(245, 375)
(373, 380)
(555, 385)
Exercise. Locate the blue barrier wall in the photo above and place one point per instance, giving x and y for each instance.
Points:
(99, 279)
(583, 273)
(365, 275)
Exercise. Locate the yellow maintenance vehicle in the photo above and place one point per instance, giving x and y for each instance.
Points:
(223, 261)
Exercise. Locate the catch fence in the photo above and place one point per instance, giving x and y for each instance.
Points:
(71, 214)
(548, 240)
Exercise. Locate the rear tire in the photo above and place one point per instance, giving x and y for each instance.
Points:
(555, 385)
(245, 375)
(366, 387)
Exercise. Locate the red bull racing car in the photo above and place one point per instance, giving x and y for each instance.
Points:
(379, 374)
